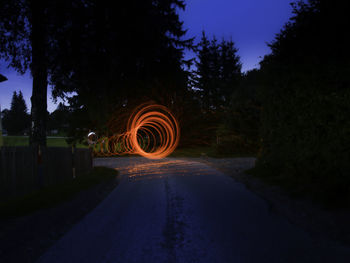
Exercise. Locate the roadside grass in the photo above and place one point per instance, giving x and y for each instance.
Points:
(15, 141)
(206, 151)
(268, 177)
(287, 183)
(24, 141)
(53, 195)
(302, 188)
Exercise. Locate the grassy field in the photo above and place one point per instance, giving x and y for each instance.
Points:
(24, 141)
(53, 195)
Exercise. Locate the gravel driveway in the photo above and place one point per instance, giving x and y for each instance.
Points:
(182, 210)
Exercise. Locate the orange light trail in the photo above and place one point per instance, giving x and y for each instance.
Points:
(152, 132)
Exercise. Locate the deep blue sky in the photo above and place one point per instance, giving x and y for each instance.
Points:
(250, 24)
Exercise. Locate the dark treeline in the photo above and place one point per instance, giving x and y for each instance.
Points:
(109, 56)
(16, 120)
(105, 59)
(305, 98)
(293, 112)
(211, 84)
(119, 56)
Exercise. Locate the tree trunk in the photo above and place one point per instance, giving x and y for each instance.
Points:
(39, 73)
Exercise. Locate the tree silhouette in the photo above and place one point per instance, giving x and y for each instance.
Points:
(106, 54)
(112, 60)
(59, 119)
(218, 72)
(2, 78)
(306, 101)
(16, 120)
(239, 130)
(28, 33)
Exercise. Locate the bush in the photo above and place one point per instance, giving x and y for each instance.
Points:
(306, 104)
(306, 139)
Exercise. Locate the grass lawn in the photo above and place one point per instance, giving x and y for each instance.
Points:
(53, 195)
(24, 141)
(301, 188)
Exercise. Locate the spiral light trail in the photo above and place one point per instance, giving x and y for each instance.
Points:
(152, 132)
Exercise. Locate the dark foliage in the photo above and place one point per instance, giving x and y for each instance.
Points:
(118, 56)
(110, 55)
(2, 78)
(58, 120)
(306, 102)
(217, 76)
(16, 121)
(28, 31)
(218, 73)
(239, 130)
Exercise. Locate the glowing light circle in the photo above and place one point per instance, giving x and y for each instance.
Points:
(152, 132)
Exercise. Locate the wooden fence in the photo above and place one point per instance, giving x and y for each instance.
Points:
(25, 169)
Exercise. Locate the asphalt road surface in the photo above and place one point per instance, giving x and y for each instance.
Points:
(181, 210)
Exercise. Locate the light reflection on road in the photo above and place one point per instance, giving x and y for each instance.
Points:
(143, 169)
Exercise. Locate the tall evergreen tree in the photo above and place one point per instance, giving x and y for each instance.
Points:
(16, 120)
(218, 72)
(203, 73)
(230, 71)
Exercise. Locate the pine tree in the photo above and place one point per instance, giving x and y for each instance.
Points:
(16, 120)
(218, 72)
(230, 70)
(203, 73)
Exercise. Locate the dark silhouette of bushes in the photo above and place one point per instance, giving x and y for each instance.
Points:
(306, 104)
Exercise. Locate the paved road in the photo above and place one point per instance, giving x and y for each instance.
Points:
(180, 210)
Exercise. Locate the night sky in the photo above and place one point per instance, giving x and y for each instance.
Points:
(250, 24)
